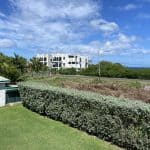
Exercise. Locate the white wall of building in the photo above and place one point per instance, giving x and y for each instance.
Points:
(44, 58)
(64, 61)
(2, 98)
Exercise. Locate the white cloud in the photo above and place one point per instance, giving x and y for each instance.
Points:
(143, 16)
(140, 51)
(129, 7)
(61, 26)
(7, 43)
(2, 15)
(56, 9)
(146, 51)
(48, 24)
(105, 26)
(120, 44)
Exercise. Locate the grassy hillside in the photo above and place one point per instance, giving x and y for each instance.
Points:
(118, 87)
(21, 129)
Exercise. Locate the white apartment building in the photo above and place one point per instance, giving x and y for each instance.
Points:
(64, 61)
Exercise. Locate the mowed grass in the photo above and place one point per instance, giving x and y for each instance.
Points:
(21, 129)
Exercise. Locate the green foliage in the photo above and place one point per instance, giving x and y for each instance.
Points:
(136, 84)
(123, 122)
(36, 66)
(92, 70)
(109, 69)
(9, 69)
(139, 73)
(54, 71)
(116, 70)
(64, 71)
(10, 72)
(68, 71)
(20, 63)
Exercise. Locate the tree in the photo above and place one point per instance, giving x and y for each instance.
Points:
(20, 63)
(12, 67)
(36, 65)
(9, 71)
(109, 69)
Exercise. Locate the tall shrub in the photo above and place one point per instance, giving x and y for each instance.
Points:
(123, 122)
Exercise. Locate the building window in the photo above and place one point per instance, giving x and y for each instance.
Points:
(59, 58)
(54, 59)
(60, 65)
(44, 58)
(73, 62)
(71, 56)
(63, 58)
(64, 64)
(69, 62)
(55, 64)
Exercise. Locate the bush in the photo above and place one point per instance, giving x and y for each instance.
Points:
(123, 122)
(92, 70)
(116, 70)
(68, 71)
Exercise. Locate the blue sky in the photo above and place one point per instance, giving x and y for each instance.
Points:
(118, 30)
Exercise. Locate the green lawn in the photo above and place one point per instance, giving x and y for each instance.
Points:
(21, 129)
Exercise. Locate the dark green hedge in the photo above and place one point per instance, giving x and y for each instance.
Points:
(123, 122)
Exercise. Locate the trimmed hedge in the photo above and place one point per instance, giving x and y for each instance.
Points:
(123, 122)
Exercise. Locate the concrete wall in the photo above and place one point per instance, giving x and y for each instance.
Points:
(2, 98)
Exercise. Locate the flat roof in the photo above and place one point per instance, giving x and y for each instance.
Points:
(60, 54)
(3, 79)
(11, 89)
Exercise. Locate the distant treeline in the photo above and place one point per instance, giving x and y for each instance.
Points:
(109, 69)
(17, 67)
